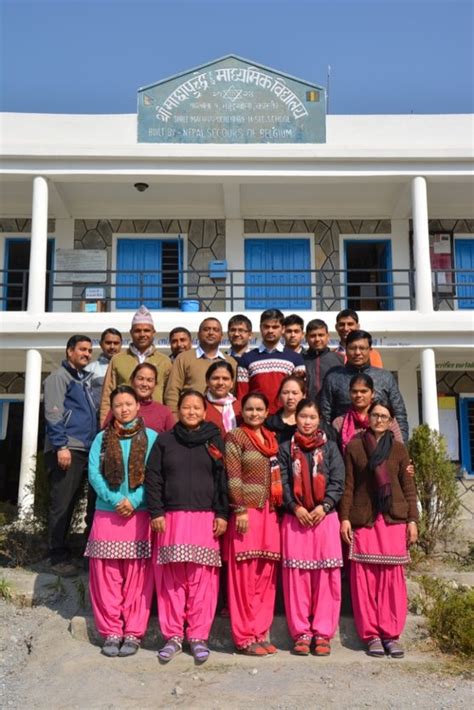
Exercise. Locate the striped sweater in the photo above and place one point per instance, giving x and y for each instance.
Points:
(264, 371)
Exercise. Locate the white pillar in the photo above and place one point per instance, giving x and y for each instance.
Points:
(421, 246)
(29, 442)
(39, 246)
(408, 385)
(429, 392)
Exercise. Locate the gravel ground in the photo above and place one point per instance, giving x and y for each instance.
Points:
(42, 666)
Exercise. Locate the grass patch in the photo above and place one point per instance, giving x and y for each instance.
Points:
(5, 590)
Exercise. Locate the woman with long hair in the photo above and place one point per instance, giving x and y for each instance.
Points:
(378, 514)
(187, 501)
(312, 472)
(283, 422)
(255, 492)
(223, 409)
(119, 545)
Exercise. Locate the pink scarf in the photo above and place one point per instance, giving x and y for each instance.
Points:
(352, 423)
(229, 420)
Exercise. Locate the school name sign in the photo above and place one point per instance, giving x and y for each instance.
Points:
(232, 101)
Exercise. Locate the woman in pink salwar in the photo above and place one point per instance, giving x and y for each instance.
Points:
(187, 501)
(255, 491)
(312, 472)
(119, 545)
(378, 514)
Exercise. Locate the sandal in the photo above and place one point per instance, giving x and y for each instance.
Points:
(200, 651)
(111, 646)
(375, 648)
(269, 647)
(302, 646)
(255, 649)
(130, 646)
(322, 647)
(393, 648)
(171, 649)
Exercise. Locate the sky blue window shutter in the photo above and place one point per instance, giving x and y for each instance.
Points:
(138, 273)
(465, 260)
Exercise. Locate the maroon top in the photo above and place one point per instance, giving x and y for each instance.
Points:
(155, 416)
(214, 415)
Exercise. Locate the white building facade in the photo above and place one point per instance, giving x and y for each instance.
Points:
(379, 218)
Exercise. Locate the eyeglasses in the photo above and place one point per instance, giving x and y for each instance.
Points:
(382, 417)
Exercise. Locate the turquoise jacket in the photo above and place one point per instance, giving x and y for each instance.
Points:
(107, 499)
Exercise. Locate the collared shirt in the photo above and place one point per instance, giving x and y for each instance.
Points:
(279, 347)
(141, 356)
(200, 353)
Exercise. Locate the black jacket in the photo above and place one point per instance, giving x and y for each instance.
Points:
(332, 468)
(335, 399)
(318, 363)
(180, 477)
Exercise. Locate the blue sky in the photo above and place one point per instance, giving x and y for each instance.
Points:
(91, 56)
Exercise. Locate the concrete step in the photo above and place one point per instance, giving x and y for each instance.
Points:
(83, 628)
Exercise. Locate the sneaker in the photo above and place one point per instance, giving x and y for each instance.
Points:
(130, 646)
(64, 569)
(111, 646)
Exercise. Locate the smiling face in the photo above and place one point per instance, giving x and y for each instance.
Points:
(346, 325)
(210, 333)
(125, 408)
(179, 343)
(361, 396)
(142, 336)
(358, 352)
(254, 412)
(220, 383)
(239, 336)
(191, 412)
(318, 339)
(80, 355)
(144, 383)
(307, 420)
(380, 420)
(290, 395)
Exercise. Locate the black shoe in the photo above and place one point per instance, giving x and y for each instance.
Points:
(130, 646)
(111, 647)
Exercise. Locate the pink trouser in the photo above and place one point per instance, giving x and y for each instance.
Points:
(121, 592)
(187, 595)
(379, 600)
(251, 595)
(312, 601)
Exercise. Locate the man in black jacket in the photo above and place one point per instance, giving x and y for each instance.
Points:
(318, 358)
(335, 399)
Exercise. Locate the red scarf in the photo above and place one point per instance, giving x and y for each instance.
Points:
(352, 423)
(269, 448)
(308, 488)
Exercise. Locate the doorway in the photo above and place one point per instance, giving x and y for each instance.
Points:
(369, 284)
(17, 267)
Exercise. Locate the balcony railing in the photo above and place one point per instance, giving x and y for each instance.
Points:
(239, 289)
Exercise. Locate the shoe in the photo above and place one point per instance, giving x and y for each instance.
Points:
(255, 649)
(171, 649)
(302, 646)
(130, 646)
(199, 650)
(322, 647)
(111, 646)
(64, 569)
(393, 648)
(269, 647)
(375, 648)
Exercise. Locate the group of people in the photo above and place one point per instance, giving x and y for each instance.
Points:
(216, 470)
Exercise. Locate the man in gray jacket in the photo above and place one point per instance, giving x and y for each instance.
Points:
(71, 425)
(335, 399)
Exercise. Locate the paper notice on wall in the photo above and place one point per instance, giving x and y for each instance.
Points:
(448, 425)
(441, 262)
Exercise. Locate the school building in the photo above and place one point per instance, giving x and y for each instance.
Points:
(231, 190)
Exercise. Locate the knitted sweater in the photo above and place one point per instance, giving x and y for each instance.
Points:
(264, 371)
(248, 472)
(120, 369)
(189, 371)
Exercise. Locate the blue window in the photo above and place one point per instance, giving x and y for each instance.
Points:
(148, 271)
(464, 251)
(466, 426)
(277, 273)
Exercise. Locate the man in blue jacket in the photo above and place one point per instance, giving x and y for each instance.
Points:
(71, 425)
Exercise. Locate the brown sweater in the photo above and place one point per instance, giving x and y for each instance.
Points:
(189, 371)
(358, 502)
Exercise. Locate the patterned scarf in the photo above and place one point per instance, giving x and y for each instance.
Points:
(308, 488)
(378, 453)
(352, 423)
(112, 464)
(229, 420)
(269, 448)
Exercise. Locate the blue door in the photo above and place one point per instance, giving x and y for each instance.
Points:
(148, 271)
(464, 253)
(466, 426)
(277, 273)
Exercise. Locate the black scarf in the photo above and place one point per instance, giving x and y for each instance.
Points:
(378, 453)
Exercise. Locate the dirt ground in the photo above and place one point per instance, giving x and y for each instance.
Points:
(43, 666)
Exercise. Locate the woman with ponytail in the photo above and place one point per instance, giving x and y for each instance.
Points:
(255, 492)
(312, 472)
(119, 545)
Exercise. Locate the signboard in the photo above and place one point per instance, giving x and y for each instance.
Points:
(232, 101)
(80, 265)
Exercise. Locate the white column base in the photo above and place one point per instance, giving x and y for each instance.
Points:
(29, 442)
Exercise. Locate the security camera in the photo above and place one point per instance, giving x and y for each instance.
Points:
(141, 186)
